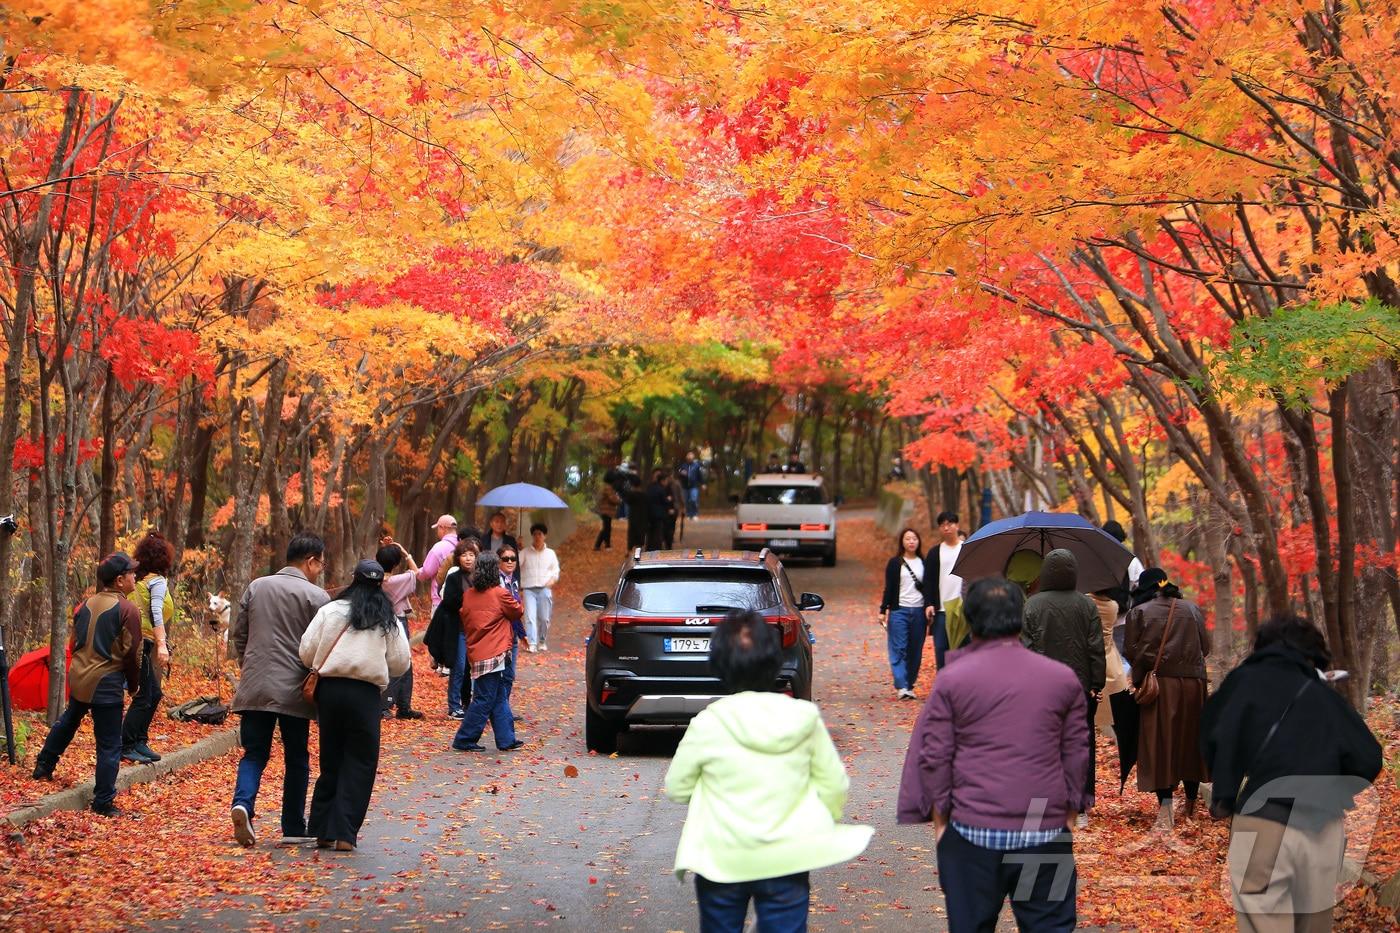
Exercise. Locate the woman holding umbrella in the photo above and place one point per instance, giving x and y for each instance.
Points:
(1166, 640)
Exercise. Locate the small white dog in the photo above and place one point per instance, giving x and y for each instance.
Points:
(219, 613)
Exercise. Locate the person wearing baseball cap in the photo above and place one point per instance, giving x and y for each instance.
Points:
(106, 646)
(446, 528)
(356, 646)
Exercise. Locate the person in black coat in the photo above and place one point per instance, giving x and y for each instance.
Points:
(638, 514)
(661, 508)
(1288, 755)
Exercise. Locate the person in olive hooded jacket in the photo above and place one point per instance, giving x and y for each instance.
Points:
(1063, 624)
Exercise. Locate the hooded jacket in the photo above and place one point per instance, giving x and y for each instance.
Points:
(1321, 755)
(1063, 624)
(765, 787)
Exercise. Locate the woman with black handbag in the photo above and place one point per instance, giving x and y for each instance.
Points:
(353, 647)
(1166, 643)
(902, 615)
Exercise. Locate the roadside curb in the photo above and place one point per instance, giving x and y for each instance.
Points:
(80, 797)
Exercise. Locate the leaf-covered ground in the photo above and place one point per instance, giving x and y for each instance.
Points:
(532, 839)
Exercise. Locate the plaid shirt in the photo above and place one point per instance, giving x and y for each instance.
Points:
(1004, 840)
(489, 665)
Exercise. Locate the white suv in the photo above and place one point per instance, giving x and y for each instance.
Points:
(788, 513)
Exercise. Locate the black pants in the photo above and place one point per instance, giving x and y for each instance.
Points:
(668, 532)
(347, 716)
(656, 534)
(604, 538)
(106, 729)
(1092, 707)
(1040, 880)
(399, 693)
(136, 727)
(1193, 790)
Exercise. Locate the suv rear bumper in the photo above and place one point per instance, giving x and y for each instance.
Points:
(660, 701)
(799, 546)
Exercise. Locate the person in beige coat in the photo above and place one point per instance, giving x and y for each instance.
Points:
(1115, 678)
(355, 645)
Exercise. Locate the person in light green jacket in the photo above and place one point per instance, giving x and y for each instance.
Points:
(765, 787)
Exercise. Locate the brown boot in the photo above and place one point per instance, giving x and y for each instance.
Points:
(342, 846)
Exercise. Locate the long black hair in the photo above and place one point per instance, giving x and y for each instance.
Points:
(487, 572)
(370, 608)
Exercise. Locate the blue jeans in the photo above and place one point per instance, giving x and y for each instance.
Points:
(508, 675)
(106, 729)
(489, 701)
(905, 640)
(692, 502)
(780, 904)
(458, 678)
(538, 602)
(255, 735)
(940, 638)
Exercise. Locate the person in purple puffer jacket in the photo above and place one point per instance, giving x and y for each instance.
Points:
(997, 762)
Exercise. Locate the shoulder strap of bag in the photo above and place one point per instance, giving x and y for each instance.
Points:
(1163, 643)
(1268, 736)
(918, 581)
(333, 644)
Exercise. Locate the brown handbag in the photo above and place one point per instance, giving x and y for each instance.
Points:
(1147, 691)
(313, 677)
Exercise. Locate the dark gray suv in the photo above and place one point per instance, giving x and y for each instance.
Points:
(649, 654)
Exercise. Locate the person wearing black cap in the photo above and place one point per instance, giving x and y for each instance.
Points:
(106, 644)
(355, 645)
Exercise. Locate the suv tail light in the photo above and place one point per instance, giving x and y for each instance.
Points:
(605, 628)
(813, 527)
(788, 626)
(753, 526)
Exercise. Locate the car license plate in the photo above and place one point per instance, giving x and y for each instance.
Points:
(783, 542)
(687, 645)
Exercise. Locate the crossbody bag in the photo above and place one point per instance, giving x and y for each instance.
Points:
(313, 676)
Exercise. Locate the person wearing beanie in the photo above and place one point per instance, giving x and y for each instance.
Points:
(355, 645)
(106, 646)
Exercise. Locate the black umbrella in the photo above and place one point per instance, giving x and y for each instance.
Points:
(1102, 560)
(1126, 725)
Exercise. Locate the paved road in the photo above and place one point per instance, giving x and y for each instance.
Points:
(458, 841)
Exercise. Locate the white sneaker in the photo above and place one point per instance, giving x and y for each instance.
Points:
(1081, 821)
(544, 647)
(243, 826)
(530, 648)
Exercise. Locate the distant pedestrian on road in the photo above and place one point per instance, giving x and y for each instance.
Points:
(106, 645)
(1124, 592)
(1288, 755)
(399, 586)
(693, 479)
(153, 598)
(539, 574)
(774, 465)
(661, 507)
(487, 611)
(794, 463)
(439, 554)
(997, 762)
(1166, 634)
(638, 514)
(273, 614)
(606, 506)
(357, 646)
(765, 787)
(677, 492)
(949, 585)
(1063, 624)
(902, 616)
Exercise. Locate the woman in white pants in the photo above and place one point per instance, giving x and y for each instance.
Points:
(539, 572)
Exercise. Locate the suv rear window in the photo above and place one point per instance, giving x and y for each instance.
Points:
(770, 494)
(684, 590)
